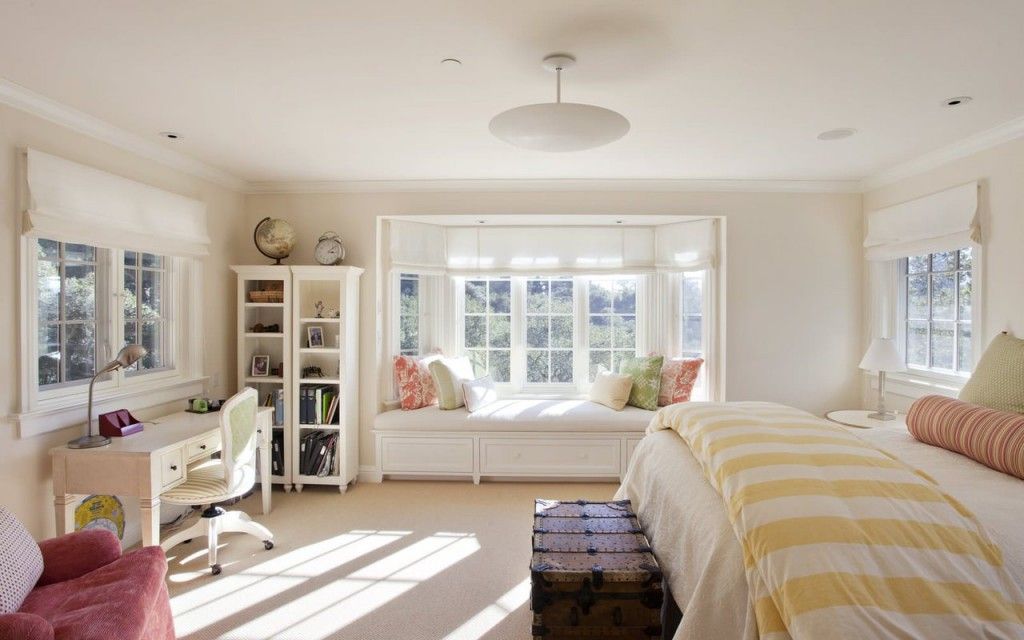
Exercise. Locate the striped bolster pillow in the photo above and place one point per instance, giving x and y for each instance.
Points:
(993, 438)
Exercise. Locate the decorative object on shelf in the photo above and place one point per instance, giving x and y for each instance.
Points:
(318, 308)
(559, 126)
(269, 291)
(198, 405)
(126, 357)
(116, 424)
(261, 328)
(260, 366)
(312, 372)
(278, 371)
(274, 238)
(882, 356)
(316, 337)
(329, 249)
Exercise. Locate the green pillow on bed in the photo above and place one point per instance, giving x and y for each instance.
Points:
(646, 373)
(998, 380)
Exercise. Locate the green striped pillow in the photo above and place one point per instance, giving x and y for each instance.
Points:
(449, 374)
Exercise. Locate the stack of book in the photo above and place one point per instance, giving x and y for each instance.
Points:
(317, 450)
(318, 404)
(275, 399)
(277, 452)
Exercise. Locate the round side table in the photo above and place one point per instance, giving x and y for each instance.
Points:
(860, 419)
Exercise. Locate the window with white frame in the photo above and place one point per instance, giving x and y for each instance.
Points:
(935, 303)
(611, 322)
(488, 326)
(146, 305)
(691, 314)
(409, 314)
(550, 330)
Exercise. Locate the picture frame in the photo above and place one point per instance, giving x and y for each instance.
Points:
(260, 366)
(315, 337)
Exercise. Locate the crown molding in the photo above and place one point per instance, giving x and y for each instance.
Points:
(666, 185)
(944, 155)
(18, 97)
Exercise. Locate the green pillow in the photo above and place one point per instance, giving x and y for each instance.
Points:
(646, 373)
(998, 380)
(448, 374)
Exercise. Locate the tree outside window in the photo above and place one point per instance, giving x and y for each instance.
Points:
(409, 314)
(937, 310)
(488, 327)
(611, 308)
(549, 330)
(145, 308)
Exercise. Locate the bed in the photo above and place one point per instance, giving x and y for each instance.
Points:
(691, 535)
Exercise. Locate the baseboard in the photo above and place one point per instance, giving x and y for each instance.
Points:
(370, 473)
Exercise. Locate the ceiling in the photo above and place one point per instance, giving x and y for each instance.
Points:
(325, 90)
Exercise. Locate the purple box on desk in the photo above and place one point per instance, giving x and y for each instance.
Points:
(119, 423)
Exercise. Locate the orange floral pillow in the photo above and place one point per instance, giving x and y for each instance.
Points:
(677, 379)
(413, 381)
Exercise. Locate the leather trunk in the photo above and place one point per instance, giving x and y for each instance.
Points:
(593, 573)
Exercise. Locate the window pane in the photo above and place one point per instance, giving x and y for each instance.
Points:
(48, 250)
(536, 366)
(79, 292)
(537, 296)
(476, 296)
(942, 345)
(80, 347)
(48, 291)
(131, 303)
(499, 366)
(131, 259)
(917, 264)
(561, 296)
(80, 252)
(500, 299)
(409, 333)
(131, 335)
(537, 332)
(964, 309)
(965, 360)
(598, 359)
(945, 261)
(966, 258)
(152, 261)
(410, 297)
(625, 296)
(624, 331)
(600, 332)
(152, 339)
(600, 296)
(692, 335)
(917, 297)
(561, 366)
(618, 357)
(944, 297)
(917, 343)
(49, 354)
(561, 331)
(479, 361)
(476, 332)
(152, 294)
(693, 295)
(500, 331)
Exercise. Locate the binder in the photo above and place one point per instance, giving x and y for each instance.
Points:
(279, 407)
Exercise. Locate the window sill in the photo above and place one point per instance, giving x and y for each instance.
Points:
(69, 411)
(916, 385)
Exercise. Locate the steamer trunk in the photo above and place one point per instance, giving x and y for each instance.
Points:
(593, 573)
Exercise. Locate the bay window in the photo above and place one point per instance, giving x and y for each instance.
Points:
(611, 322)
(409, 314)
(488, 327)
(550, 331)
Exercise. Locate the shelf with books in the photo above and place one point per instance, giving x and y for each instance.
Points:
(324, 320)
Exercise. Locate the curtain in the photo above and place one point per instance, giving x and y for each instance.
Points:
(939, 222)
(687, 246)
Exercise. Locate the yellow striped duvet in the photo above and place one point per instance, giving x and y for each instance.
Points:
(841, 539)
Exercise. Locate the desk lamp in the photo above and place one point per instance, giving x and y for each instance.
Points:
(126, 357)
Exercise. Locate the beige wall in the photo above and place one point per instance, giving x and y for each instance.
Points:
(24, 463)
(793, 275)
(1000, 171)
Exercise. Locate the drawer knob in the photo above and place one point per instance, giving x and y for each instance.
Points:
(203, 447)
(174, 467)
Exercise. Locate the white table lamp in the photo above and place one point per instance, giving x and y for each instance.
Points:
(882, 356)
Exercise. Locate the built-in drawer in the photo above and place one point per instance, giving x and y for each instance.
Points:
(631, 447)
(202, 448)
(426, 455)
(172, 467)
(539, 456)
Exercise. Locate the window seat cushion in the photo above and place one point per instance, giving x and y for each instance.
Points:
(581, 416)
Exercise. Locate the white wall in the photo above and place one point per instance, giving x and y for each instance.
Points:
(24, 463)
(1000, 171)
(793, 271)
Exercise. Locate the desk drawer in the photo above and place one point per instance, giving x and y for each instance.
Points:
(172, 468)
(427, 455)
(555, 456)
(202, 448)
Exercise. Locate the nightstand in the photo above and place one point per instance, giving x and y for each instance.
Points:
(860, 419)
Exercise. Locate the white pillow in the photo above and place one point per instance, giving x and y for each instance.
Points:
(479, 393)
(21, 562)
(611, 389)
(449, 373)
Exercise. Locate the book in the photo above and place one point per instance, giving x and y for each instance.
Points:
(279, 407)
(332, 409)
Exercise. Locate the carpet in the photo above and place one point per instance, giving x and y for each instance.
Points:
(391, 561)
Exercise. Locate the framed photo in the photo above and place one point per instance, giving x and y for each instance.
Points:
(316, 337)
(260, 366)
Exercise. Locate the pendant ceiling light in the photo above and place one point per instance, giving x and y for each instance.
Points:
(559, 126)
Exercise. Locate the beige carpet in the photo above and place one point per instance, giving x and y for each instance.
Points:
(392, 561)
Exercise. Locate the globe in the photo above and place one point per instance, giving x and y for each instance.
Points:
(274, 238)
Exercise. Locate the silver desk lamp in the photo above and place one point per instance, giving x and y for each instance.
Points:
(126, 357)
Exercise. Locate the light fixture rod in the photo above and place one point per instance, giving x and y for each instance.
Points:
(558, 85)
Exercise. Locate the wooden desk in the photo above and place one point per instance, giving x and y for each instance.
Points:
(146, 464)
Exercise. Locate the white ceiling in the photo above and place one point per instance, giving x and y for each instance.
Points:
(715, 89)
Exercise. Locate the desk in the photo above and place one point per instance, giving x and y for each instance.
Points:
(146, 464)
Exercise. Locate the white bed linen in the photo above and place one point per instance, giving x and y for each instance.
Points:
(685, 520)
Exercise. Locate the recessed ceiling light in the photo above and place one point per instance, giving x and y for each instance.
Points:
(836, 134)
(956, 101)
(170, 135)
(451, 62)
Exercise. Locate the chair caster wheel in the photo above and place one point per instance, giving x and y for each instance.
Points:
(268, 544)
(215, 569)
(189, 541)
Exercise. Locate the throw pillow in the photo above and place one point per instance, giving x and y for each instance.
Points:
(611, 389)
(479, 393)
(993, 438)
(449, 374)
(677, 379)
(646, 374)
(21, 562)
(413, 381)
(998, 380)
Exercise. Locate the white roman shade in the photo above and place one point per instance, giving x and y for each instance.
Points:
(71, 202)
(687, 246)
(939, 222)
(416, 247)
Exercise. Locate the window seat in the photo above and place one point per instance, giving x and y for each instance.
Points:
(521, 438)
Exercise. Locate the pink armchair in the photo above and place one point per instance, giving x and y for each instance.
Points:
(90, 591)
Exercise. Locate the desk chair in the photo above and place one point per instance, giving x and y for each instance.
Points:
(215, 481)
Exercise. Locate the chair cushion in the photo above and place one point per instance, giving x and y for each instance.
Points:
(205, 484)
(547, 416)
(21, 562)
(998, 380)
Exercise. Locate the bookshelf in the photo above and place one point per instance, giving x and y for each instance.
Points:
(325, 366)
(267, 282)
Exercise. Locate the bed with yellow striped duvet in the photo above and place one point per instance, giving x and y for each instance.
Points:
(840, 539)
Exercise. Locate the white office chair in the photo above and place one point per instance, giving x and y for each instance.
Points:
(214, 481)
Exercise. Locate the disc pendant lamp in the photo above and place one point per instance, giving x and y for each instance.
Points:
(559, 126)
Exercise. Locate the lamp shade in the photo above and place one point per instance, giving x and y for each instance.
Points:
(883, 355)
(559, 126)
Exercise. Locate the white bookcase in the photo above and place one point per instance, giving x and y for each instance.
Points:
(336, 357)
(275, 344)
